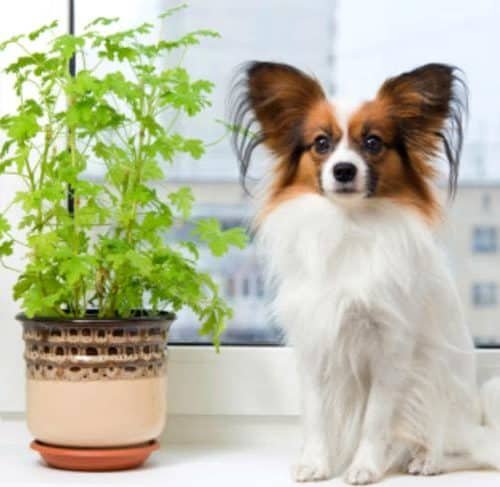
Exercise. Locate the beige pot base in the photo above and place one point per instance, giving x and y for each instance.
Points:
(97, 414)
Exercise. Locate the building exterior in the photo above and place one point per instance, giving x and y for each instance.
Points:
(472, 238)
(470, 235)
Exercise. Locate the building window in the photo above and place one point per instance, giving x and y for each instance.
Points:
(484, 239)
(230, 288)
(485, 294)
(246, 287)
(486, 202)
(260, 287)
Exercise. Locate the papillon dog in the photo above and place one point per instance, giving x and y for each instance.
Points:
(362, 289)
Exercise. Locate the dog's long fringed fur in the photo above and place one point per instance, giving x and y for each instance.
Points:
(385, 360)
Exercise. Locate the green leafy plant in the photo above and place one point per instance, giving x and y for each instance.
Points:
(111, 252)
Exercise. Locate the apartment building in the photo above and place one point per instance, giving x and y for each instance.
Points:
(470, 236)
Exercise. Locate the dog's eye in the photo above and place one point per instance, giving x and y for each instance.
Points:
(322, 144)
(373, 144)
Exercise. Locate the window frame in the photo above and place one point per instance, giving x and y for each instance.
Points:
(251, 381)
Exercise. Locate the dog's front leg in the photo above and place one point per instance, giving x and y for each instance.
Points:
(371, 460)
(314, 460)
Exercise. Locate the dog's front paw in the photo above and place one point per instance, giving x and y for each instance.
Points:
(311, 469)
(423, 464)
(361, 475)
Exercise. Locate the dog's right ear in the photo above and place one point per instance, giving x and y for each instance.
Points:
(278, 97)
(429, 105)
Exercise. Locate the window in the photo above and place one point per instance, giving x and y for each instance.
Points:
(485, 294)
(260, 287)
(251, 30)
(329, 39)
(486, 202)
(352, 46)
(484, 239)
(246, 287)
(231, 288)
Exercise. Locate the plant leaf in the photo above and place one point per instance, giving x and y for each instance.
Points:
(219, 241)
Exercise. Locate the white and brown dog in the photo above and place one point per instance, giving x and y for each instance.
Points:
(363, 291)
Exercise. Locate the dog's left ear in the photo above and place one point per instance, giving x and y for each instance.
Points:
(429, 105)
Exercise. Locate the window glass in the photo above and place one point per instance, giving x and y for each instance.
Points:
(485, 294)
(485, 239)
(351, 46)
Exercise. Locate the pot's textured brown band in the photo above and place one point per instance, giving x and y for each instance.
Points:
(95, 352)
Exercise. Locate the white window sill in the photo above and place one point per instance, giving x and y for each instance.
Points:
(189, 465)
(233, 420)
(259, 381)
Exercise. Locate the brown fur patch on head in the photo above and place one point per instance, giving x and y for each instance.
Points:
(428, 104)
(418, 116)
(318, 120)
(270, 103)
(391, 173)
(281, 97)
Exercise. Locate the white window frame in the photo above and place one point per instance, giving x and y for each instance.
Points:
(246, 394)
(253, 381)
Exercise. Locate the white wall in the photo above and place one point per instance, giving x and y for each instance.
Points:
(21, 16)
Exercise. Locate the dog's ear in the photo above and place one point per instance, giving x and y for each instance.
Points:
(428, 105)
(278, 97)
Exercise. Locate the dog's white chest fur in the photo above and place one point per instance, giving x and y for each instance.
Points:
(365, 296)
(328, 263)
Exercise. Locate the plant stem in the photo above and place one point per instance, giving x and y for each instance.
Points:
(8, 267)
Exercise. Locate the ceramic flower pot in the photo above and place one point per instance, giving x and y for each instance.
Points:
(96, 389)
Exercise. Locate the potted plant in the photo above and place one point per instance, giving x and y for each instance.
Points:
(101, 281)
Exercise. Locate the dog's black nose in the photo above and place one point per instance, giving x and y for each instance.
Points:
(344, 172)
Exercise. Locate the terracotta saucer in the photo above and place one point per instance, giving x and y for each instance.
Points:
(95, 459)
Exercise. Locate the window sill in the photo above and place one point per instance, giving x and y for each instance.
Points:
(190, 465)
(233, 419)
(251, 381)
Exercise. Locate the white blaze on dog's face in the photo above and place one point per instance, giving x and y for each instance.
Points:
(351, 154)
(344, 175)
